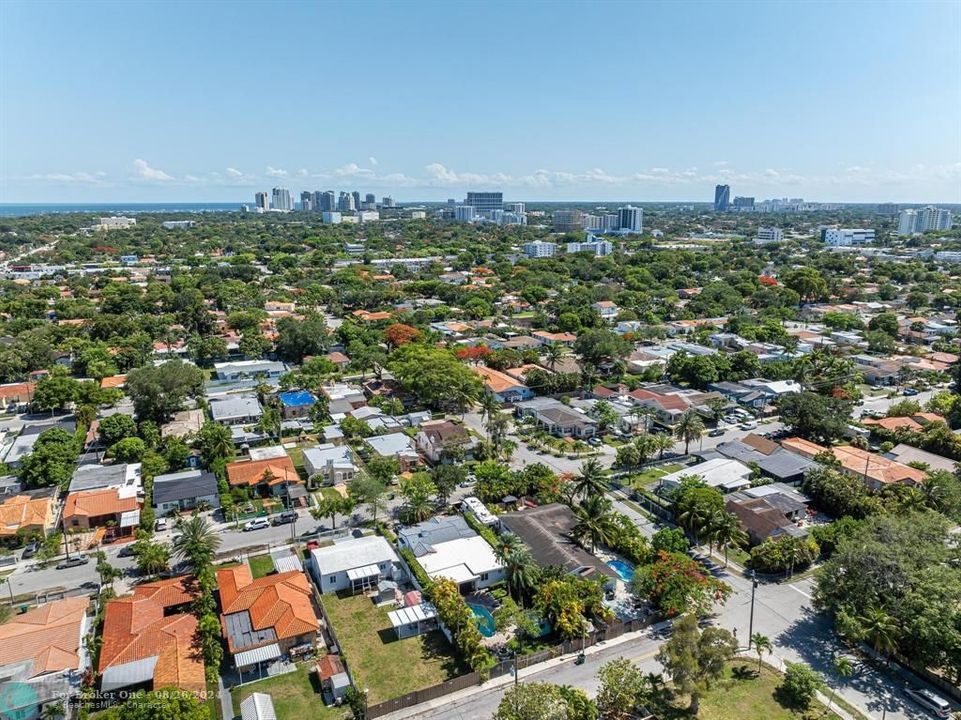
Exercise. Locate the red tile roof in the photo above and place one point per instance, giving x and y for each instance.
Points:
(252, 472)
(49, 636)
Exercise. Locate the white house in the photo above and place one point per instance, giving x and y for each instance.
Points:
(448, 547)
(236, 409)
(355, 564)
(721, 473)
(333, 463)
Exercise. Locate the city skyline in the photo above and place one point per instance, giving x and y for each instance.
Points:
(434, 107)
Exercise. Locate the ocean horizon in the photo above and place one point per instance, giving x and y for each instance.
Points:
(26, 209)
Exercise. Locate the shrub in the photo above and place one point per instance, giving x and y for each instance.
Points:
(800, 684)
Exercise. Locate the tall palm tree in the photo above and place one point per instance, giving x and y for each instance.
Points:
(489, 407)
(695, 519)
(594, 521)
(645, 414)
(881, 630)
(196, 541)
(591, 480)
(726, 530)
(520, 572)
(553, 353)
(663, 442)
(497, 427)
(762, 644)
(843, 668)
(689, 428)
(152, 558)
(507, 543)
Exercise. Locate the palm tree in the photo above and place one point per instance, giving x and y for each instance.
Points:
(507, 543)
(762, 644)
(520, 572)
(489, 408)
(553, 354)
(196, 541)
(594, 521)
(843, 668)
(689, 428)
(591, 480)
(152, 558)
(497, 426)
(881, 630)
(726, 529)
(663, 442)
(644, 413)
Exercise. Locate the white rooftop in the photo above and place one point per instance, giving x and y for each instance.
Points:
(351, 553)
(717, 473)
(460, 560)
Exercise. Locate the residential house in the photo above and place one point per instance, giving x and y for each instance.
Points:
(111, 507)
(43, 657)
(907, 455)
(355, 564)
(448, 547)
(296, 403)
(768, 514)
(16, 393)
(668, 408)
(606, 309)
(92, 477)
(249, 370)
(185, 490)
(546, 531)
(557, 418)
(877, 471)
(333, 464)
(437, 439)
(548, 338)
(721, 473)
(27, 514)
(149, 639)
(502, 386)
(343, 397)
(183, 423)
(266, 618)
(271, 476)
(236, 410)
(395, 445)
(338, 359)
(770, 458)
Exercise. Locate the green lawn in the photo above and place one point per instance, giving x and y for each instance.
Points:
(741, 694)
(295, 695)
(649, 477)
(260, 565)
(378, 660)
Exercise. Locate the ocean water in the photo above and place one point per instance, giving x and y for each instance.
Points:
(21, 210)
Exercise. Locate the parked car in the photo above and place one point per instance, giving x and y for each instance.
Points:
(595, 442)
(936, 704)
(160, 525)
(286, 517)
(256, 524)
(909, 392)
(716, 432)
(126, 551)
(749, 425)
(90, 585)
(75, 561)
(30, 550)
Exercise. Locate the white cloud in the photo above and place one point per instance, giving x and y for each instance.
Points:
(372, 160)
(143, 171)
(303, 172)
(275, 172)
(353, 170)
(79, 178)
(234, 172)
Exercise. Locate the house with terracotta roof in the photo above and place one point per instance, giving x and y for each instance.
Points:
(115, 507)
(148, 639)
(266, 618)
(114, 381)
(269, 476)
(16, 393)
(27, 514)
(892, 424)
(43, 649)
(548, 338)
(668, 409)
(502, 386)
(877, 471)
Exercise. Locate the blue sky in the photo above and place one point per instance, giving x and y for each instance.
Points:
(205, 101)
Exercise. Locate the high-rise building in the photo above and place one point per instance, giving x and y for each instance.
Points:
(514, 207)
(630, 219)
(280, 199)
(539, 249)
(451, 202)
(387, 201)
(345, 203)
(768, 235)
(743, 203)
(318, 202)
(328, 201)
(887, 209)
(356, 196)
(370, 198)
(262, 201)
(934, 218)
(464, 213)
(592, 244)
(484, 202)
(306, 201)
(568, 220)
(722, 197)
(907, 221)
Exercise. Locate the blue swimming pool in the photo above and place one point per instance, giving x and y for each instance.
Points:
(623, 569)
(485, 621)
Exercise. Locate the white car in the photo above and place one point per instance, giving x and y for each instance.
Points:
(749, 425)
(256, 524)
(935, 704)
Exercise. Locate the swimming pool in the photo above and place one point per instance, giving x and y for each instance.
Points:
(623, 569)
(485, 621)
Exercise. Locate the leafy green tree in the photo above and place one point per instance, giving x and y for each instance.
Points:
(55, 391)
(676, 584)
(435, 376)
(115, 428)
(844, 669)
(215, 443)
(366, 489)
(815, 417)
(670, 540)
(446, 478)
(158, 391)
(152, 557)
(418, 491)
(800, 685)
(807, 282)
(299, 338)
(52, 460)
(196, 541)
(600, 346)
(532, 701)
(128, 450)
(624, 690)
(161, 704)
(693, 658)
(886, 322)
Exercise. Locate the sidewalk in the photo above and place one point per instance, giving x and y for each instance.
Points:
(461, 695)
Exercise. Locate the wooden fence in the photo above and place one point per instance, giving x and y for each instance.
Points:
(506, 667)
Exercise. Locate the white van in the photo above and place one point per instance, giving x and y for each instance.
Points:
(928, 700)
